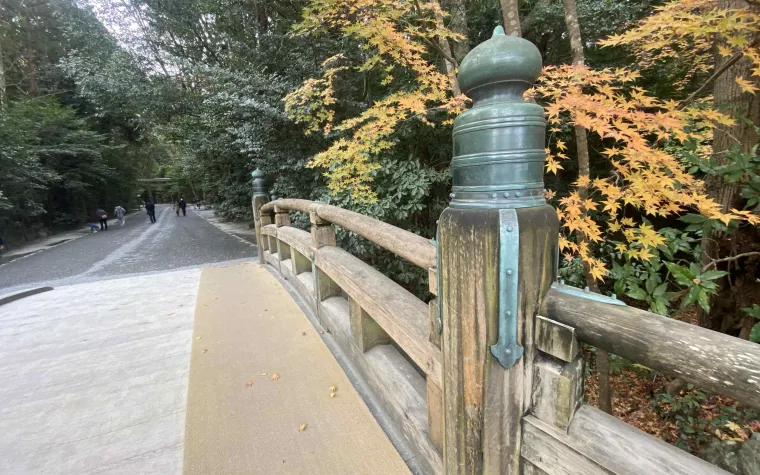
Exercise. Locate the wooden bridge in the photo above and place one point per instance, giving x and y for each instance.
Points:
(487, 377)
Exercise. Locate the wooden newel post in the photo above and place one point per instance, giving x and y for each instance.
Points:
(498, 258)
(260, 197)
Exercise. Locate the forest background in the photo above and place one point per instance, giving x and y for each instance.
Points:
(652, 142)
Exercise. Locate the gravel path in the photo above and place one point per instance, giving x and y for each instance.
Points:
(140, 247)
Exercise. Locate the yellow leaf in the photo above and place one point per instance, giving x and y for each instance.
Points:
(249, 384)
(746, 86)
(275, 377)
(302, 427)
(561, 145)
(333, 389)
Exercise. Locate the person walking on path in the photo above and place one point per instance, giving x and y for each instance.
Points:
(151, 209)
(176, 207)
(183, 206)
(120, 214)
(103, 218)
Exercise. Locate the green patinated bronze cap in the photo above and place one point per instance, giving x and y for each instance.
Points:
(259, 184)
(499, 143)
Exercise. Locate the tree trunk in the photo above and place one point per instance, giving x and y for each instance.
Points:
(578, 57)
(510, 12)
(744, 108)
(458, 24)
(448, 60)
(3, 95)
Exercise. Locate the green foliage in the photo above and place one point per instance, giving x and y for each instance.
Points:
(697, 426)
(754, 311)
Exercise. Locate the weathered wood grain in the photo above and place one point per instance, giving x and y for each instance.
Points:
(435, 335)
(469, 247)
(365, 331)
(708, 359)
(298, 239)
(509, 393)
(412, 247)
(435, 414)
(433, 280)
(598, 443)
(395, 382)
(281, 217)
(402, 315)
(322, 232)
(556, 339)
(283, 250)
(557, 390)
(325, 286)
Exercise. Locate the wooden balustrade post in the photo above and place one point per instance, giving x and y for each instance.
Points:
(259, 198)
(497, 259)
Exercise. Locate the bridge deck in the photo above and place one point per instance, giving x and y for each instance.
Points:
(98, 378)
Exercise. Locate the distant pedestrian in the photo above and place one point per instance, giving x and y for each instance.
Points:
(151, 210)
(120, 214)
(176, 207)
(103, 218)
(183, 206)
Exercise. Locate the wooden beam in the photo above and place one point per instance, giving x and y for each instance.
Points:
(556, 339)
(708, 359)
(365, 331)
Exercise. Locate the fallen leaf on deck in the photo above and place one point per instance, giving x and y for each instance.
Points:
(170, 314)
(304, 333)
(198, 337)
(333, 389)
(321, 332)
(332, 394)
(302, 428)
(249, 384)
(263, 374)
(205, 350)
(275, 377)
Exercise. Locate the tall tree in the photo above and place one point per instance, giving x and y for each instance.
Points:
(581, 142)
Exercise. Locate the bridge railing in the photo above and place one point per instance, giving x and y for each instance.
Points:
(383, 328)
(488, 378)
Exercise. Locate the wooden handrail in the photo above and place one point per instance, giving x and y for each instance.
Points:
(708, 359)
(412, 247)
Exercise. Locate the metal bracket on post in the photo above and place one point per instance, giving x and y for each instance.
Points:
(506, 350)
(586, 294)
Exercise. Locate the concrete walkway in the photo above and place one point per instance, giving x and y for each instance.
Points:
(259, 399)
(97, 378)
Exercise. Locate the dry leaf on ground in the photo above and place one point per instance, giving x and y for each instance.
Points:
(275, 377)
(198, 337)
(249, 384)
(205, 350)
(333, 389)
(302, 427)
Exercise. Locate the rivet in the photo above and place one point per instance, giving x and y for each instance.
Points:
(585, 289)
(517, 194)
(452, 195)
(506, 195)
(508, 351)
(509, 271)
(509, 313)
(493, 195)
(544, 190)
(509, 229)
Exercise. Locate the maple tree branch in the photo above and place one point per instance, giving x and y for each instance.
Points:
(440, 50)
(715, 76)
(727, 259)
